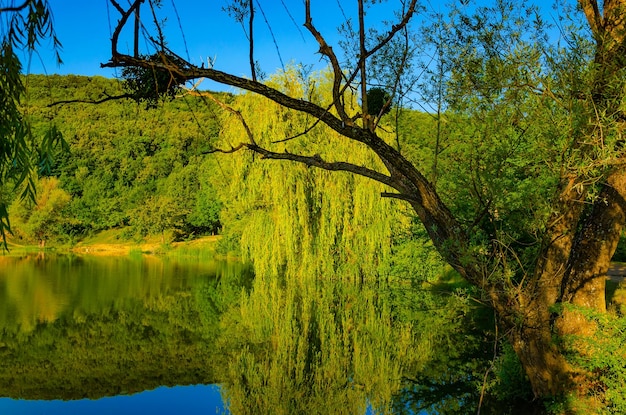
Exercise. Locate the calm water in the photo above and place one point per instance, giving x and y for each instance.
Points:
(121, 335)
(78, 331)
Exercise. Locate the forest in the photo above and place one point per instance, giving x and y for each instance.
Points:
(142, 171)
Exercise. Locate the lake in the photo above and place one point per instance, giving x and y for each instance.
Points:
(88, 334)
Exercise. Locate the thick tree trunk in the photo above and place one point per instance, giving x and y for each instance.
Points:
(572, 270)
(546, 368)
(596, 241)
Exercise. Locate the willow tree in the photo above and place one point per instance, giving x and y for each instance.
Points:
(22, 27)
(530, 261)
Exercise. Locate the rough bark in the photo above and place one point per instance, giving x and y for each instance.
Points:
(547, 370)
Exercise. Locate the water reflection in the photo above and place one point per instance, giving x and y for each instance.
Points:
(188, 400)
(90, 327)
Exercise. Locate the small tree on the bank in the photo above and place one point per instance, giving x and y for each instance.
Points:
(532, 202)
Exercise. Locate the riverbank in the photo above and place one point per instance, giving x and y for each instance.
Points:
(112, 243)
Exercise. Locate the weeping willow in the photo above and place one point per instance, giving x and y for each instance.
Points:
(294, 220)
(319, 332)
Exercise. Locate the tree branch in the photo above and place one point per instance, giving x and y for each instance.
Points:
(251, 30)
(190, 72)
(327, 51)
(230, 109)
(15, 8)
(86, 101)
(122, 22)
(317, 161)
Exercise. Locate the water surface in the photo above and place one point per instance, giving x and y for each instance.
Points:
(83, 334)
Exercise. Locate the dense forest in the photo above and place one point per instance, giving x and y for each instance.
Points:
(143, 171)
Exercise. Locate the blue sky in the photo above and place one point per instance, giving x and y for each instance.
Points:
(83, 27)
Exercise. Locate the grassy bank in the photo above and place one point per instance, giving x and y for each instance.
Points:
(112, 243)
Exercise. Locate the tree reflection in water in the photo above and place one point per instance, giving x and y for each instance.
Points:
(315, 346)
(91, 327)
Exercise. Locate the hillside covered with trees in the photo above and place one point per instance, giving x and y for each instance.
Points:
(150, 172)
(141, 171)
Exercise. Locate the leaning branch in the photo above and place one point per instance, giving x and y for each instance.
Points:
(15, 8)
(230, 109)
(191, 72)
(90, 101)
(317, 161)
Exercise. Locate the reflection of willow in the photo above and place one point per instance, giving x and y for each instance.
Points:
(316, 347)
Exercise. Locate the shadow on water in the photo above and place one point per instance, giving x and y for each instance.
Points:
(88, 327)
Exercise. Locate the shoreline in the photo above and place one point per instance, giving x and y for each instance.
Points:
(109, 244)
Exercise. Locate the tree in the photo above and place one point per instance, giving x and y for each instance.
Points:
(43, 219)
(22, 28)
(531, 258)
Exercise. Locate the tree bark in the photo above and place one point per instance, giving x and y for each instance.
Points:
(548, 372)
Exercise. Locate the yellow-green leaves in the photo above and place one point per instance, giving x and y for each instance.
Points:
(298, 220)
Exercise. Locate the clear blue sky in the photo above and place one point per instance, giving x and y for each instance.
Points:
(84, 27)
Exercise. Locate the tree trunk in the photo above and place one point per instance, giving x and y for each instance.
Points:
(546, 368)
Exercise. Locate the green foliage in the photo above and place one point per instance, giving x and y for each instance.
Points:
(45, 218)
(293, 220)
(22, 28)
(127, 167)
(322, 346)
(206, 213)
(603, 355)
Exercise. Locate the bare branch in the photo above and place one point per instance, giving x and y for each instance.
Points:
(224, 151)
(122, 22)
(15, 8)
(87, 101)
(327, 51)
(118, 7)
(362, 66)
(394, 29)
(251, 30)
(230, 109)
(317, 161)
(300, 134)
